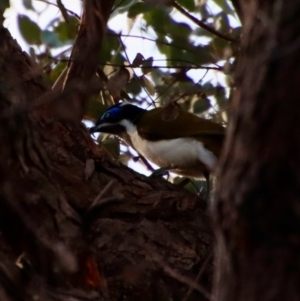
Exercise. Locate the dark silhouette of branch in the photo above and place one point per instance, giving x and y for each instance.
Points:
(124, 49)
(63, 10)
(202, 270)
(151, 40)
(172, 67)
(192, 66)
(204, 25)
(117, 5)
(68, 10)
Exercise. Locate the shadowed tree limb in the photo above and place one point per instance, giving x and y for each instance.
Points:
(84, 57)
(257, 224)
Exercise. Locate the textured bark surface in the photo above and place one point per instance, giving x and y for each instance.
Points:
(257, 209)
(81, 70)
(74, 224)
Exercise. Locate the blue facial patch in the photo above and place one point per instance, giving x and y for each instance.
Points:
(112, 113)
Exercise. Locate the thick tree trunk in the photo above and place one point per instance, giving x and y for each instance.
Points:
(73, 224)
(258, 196)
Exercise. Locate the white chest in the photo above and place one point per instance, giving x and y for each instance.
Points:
(180, 153)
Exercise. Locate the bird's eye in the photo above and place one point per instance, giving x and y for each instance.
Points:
(106, 115)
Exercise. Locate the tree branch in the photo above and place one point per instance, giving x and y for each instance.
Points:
(85, 55)
(192, 66)
(204, 25)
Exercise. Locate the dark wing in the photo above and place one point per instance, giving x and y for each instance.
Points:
(153, 127)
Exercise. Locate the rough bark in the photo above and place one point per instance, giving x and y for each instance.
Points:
(74, 224)
(257, 208)
(84, 59)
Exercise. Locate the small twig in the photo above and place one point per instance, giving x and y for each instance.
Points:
(167, 88)
(63, 10)
(202, 270)
(69, 11)
(101, 201)
(193, 66)
(124, 49)
(186, 94)
(172, 273)
(169, 67)
(151, 40)
(103, 192)
(164, 43)
(200, 80)
(117, 5)
(144, 160)
(204, 25)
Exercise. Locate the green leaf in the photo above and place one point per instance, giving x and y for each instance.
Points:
(208, 89)
(67, 31)
(163, 48)
(111, 43)
(56, 71)
(219, 46)
(159, 18)
(120, 7)
(134, 87)
(51, 39)
(30, 31)
(95, 109)
(188, 4)
(192, 55)
(201, 105)
(139, 8)
(180, 33)
(220, 96)
(4, 4)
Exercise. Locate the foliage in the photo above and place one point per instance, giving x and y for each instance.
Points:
(196, 39)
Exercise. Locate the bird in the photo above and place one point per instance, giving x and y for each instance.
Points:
(186, 145)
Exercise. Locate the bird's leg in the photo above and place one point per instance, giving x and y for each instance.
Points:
(160, 172)
(207, 178)
(163, 171)
(144, 160)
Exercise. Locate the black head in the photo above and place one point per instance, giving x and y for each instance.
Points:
(112, 121)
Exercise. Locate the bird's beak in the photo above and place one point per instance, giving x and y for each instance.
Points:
(114, 129)
(93, 129)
